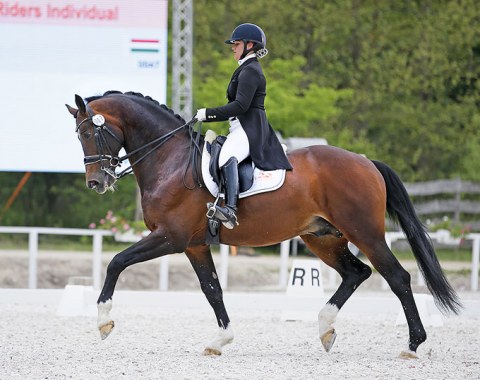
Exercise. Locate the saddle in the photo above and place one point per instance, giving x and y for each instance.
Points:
(252, 180)
(245, 168)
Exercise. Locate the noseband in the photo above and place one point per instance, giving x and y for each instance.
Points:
(105, 152)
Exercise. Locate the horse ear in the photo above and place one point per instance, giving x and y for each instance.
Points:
(80, 103)
(72, 110)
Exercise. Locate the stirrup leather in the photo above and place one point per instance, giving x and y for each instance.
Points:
(212, 208)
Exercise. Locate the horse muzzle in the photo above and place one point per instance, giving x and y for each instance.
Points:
(100, 183)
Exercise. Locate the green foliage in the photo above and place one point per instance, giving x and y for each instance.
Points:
(62, 200)
(413, 70)
(294, 108)
(210, 91)
(443, 255)
(398, 81)
(297, 108)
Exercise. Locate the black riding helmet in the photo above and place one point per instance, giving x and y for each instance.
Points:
(253, 33)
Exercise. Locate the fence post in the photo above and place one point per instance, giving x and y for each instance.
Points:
(284, 252)
(223, 272)
(33, 256)
(97, 260)
(163, 280)
(458, 197)
(475, 258)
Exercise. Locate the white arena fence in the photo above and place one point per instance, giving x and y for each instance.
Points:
(390, 237)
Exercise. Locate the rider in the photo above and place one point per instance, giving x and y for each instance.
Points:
(250, 133)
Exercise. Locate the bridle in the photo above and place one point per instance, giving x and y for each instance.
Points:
(106, 155)
(103, 147)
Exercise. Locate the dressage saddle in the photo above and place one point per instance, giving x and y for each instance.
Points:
(245, 168)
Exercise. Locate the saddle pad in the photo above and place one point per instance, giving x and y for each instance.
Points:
(263, 181)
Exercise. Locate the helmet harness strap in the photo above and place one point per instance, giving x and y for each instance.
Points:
(245, 49)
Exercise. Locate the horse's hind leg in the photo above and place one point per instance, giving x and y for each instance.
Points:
(201, 259)
(398, 279)
(335, 253)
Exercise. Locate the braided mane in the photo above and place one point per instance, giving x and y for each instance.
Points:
(149, 98)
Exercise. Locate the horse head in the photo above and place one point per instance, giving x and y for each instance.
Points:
(141, 125)
(101, 139)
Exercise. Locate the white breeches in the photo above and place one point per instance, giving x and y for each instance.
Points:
(236, 145)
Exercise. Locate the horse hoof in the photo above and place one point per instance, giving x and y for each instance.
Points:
(211, 352)
(106, 329)
(328, 338)
(408, 355)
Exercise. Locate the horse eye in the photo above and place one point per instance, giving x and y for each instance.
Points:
(86, 134)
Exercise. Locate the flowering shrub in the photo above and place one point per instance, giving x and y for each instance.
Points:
(457, 230)
(118, 224)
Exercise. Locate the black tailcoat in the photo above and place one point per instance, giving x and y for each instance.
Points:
(246, 95)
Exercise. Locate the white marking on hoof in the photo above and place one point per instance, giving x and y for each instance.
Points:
(106, 329)
(328, 339)
(104, 322)
(408, 354)
(223, 337)
(326, 318)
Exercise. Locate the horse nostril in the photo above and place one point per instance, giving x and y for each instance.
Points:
(92, 184)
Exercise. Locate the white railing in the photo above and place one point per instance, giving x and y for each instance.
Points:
(33, 233)
(98, 235)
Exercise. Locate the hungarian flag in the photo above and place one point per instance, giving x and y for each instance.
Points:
(144, 45)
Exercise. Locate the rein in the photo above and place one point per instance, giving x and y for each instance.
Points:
(100, 127)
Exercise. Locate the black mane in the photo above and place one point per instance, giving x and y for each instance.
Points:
(91, 98)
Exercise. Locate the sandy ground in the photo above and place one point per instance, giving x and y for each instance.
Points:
(166, 343)
(150, 343)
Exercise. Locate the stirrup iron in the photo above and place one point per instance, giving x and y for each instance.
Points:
(212, 207)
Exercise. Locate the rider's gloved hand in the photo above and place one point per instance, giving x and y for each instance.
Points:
(201, 114)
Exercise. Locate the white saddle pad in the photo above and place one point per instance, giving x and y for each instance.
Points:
(263, 181)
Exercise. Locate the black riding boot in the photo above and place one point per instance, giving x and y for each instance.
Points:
(227, 213)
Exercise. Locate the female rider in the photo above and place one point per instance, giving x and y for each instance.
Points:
(250, 133)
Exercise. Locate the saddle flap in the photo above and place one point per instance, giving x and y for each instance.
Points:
(215, 148)
(245, 174)
(245, 168)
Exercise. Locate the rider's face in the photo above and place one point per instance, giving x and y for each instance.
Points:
(237, 48)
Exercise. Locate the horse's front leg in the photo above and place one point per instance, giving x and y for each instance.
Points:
(201, 259)
(152, 246)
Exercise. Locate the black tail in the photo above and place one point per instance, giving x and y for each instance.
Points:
(400, 209)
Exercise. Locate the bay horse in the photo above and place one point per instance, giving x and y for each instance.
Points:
(328, 187)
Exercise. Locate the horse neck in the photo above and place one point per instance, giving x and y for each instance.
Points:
(166, 158)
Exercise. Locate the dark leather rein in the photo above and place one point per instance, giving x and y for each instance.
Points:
(105, 152)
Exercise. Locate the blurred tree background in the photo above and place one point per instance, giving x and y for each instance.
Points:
(395, 80)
